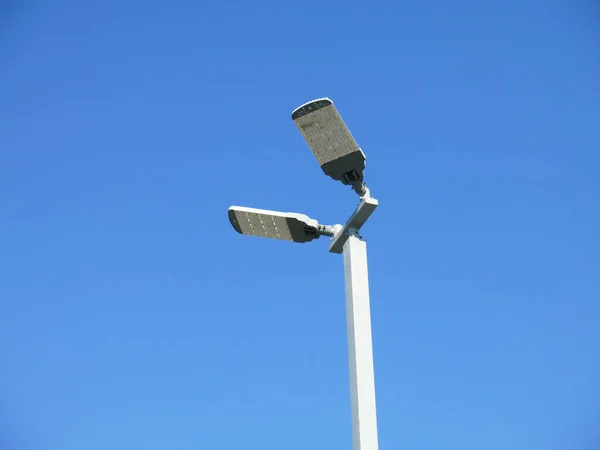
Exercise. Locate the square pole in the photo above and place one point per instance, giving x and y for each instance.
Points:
(360, 346)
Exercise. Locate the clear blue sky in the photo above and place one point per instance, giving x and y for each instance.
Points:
(132, 316)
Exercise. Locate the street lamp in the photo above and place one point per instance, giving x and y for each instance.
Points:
(277, 225)
(341, 159)
(331, 142)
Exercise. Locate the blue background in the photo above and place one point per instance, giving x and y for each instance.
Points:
(132, 316)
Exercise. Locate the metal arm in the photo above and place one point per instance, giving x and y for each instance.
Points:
(325, 230)
(361, 189)
(358, 218)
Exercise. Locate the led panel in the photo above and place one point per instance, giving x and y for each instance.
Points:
(324, 130)
(273, 224)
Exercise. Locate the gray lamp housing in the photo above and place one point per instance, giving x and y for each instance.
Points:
(276, 225)
(330, 140)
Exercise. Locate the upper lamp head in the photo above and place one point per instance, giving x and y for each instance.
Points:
(330, 141)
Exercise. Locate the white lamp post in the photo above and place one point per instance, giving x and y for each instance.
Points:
(341, 159)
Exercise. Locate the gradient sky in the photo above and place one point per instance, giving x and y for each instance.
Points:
(132, 316)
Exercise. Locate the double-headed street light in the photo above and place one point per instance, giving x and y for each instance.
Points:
(342, 159)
